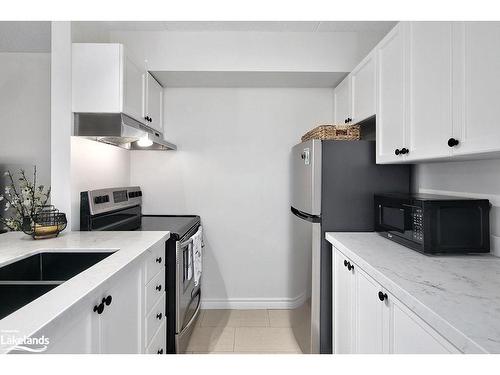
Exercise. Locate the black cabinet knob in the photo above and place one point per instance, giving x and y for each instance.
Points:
(99, 308)
(452, 142)
(404, 151)
(158, 288)
(382, 296)
(159, 316)
(350, 266)
(349, 119)
(160, 351)
(345, 263)
(158, 260)
(397, 151)
(107, 300)
(345, 121)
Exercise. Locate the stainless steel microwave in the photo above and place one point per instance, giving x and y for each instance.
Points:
(434, 224)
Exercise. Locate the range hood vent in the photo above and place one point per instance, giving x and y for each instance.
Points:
(120, 130)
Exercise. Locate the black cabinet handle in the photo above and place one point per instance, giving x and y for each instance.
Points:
(345, 121)
(107, 300)
(158, 260)
(382, 296)
(345, 263)
(404, 151)
(159, 316)
(349, 119)
(350, 266)
(99, 308)
(158, 288)
(397, 151)
(452, 142)
(160, 351)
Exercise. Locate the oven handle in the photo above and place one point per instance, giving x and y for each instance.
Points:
(121, 222)
(195, 315)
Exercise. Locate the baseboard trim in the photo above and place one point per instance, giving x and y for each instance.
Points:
(252, 303)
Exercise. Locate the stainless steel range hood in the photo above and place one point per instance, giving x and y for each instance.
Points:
(120, 130)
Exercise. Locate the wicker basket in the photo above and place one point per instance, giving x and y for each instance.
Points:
(333, 132)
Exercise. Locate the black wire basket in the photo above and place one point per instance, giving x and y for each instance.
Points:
(46, 223)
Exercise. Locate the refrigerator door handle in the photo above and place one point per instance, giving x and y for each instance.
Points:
(305, 216)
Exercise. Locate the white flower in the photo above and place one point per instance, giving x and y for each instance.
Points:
(5, 173)
(7, 190)
(1, 198)
(7, 206)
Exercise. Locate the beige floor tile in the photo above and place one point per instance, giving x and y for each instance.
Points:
(200, 318)
(235, 318)
(265, 340)
(211, 339)
(280, 318)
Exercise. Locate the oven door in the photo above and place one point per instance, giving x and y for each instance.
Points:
(187, 294)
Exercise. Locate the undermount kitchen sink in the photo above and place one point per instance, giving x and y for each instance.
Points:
(27, 279)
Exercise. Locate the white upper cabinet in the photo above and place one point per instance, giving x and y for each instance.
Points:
(477, 87)
(363, 89)
(429, 82)
(107, 80)
(132, 89)
(391, 87)
(342, 102)
(153, 102)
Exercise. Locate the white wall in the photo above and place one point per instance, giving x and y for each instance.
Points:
(478, 179)
(95, 165)
(61, 118)
(248, 51)
(232, 168)
(25, 111)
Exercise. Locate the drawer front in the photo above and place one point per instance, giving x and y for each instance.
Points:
(154, 290)
(159, 343)
(156, 261)
(154, 319)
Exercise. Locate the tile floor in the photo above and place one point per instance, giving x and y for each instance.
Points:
(243, 331)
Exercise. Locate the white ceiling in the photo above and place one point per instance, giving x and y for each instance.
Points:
(24, 36)
(266, 26)
(249, 79)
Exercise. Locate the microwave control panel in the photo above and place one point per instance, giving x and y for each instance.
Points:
(418, 224)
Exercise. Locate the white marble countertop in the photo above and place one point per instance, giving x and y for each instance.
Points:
(129, 246)
(458, 295)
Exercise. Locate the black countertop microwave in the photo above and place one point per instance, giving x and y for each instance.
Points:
(434, 224)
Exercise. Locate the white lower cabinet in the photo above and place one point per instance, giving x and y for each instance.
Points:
(369, 320)
(343, 298)
(120, 322)
(126, 314)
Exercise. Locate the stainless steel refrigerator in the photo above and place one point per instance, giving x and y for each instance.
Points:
(332, 188)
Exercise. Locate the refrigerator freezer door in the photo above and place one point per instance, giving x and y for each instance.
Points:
(306, 177)
(305, 286)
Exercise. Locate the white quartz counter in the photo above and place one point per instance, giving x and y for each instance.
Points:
(129, 246)
(458, 295)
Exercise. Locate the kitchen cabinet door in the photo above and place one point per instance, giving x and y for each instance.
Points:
(74, 332)
(430, 89)
(411, 335)
(363, 89)
(120, 322)
(154, 102)
(370, 312)
(343, 305)
(477, 88)
(391, 82)
(342, 101)
(133, 90)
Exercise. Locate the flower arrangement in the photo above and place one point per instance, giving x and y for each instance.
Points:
(24, 200)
